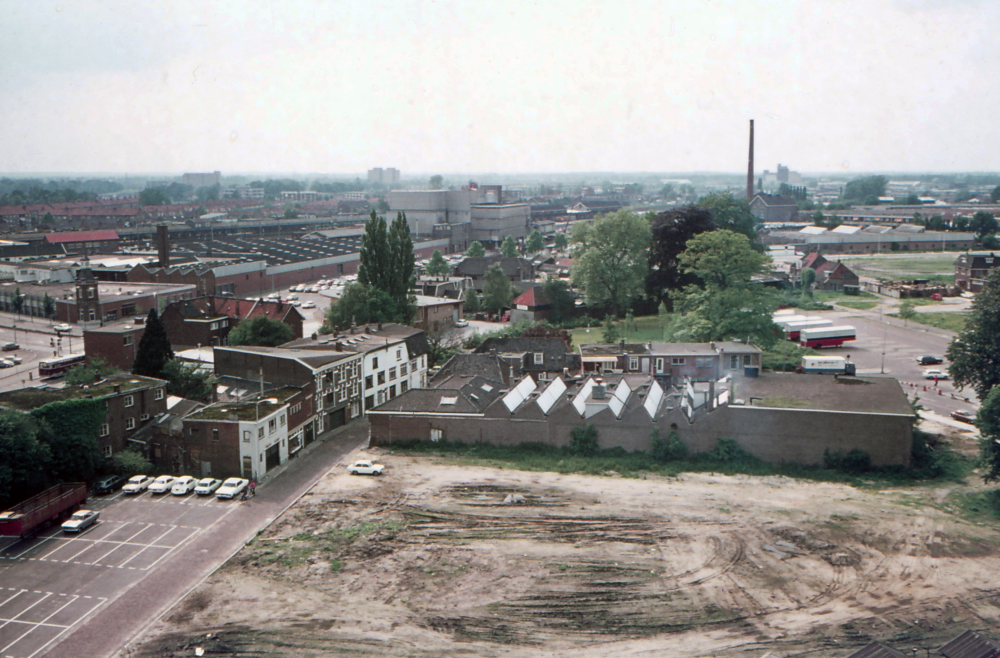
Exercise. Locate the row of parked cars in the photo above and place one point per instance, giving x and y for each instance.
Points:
(178, 486)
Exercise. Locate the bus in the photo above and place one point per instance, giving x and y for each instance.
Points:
(826, 336)
(793, 329)
(58, 365)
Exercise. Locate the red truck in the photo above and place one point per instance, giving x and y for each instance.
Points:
(50, 505)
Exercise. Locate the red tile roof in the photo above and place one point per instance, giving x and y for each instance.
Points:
(81, 236)
(531, 297)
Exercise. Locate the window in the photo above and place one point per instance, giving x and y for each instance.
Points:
(392, 374)
(282, 420)
(746, 359)
(381, 378)
(127, 338)
(539, 358)
(105, 429)
(677, 361)
(92, 315)
(436, 435)
(158, 394)
(130, 423)
(374, 363)
(392, 391)
(144, 417)
(734, 361)
(368, 381)
(703, 362)
(403, 386)
(633, 363)
(246, 436)
(106, 450)
(381, 397)
(260, 432)
(272, 426)
(129, 400)
(369, 402)
(215, 435)
(402, 370)
(399, 355)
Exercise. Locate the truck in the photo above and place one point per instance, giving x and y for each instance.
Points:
(793, 329)
(783, 320)
(51, 505)
(826, 365)
(826, 336)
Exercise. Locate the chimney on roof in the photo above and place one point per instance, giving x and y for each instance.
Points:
(621, 344)
(162, 245)
(750, 167)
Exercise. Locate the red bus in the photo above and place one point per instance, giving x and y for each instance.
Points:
(60, 364)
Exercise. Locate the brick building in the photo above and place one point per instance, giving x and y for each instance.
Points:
(116, 343)
(516, 269)
(671, 362)
(208, 320)
(972, 270)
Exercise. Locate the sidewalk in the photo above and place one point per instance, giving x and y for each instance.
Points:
(357, 429)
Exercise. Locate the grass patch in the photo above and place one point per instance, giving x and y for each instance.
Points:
(950, 321)
(645, 328)
(935, 462)
(977, 505)
(292, 551)
(860, 306)
(937, 266)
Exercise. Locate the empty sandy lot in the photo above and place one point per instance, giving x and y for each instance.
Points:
(436, 559)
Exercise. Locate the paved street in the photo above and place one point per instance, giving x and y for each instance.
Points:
(88, 595)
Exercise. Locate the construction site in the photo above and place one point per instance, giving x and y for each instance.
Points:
(441, 558)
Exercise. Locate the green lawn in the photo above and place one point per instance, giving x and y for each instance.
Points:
(950, 321)
(861, 306)
(648, 329)
(936, 266)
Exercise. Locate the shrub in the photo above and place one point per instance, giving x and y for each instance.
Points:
(584, 441)
(673, 449)
(727, 451)
(855, 462)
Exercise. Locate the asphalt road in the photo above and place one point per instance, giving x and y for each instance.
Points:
(89, 595)
(35, 337)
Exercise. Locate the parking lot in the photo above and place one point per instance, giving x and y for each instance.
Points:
(53, 582)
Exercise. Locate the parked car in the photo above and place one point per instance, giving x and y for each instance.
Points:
(462, 323)
(80, 520)
(232, 487)
(293, 296)
(108, 484)
(63, 327)
(365, 467)
(137, 484)
(309, 304)
(928, 360)
(4, 363)
(15, 359)
(964, 416)
(183, 485)
(207, 486)
(162, 484)
(10, 347)
(937, 297)
(934, 373)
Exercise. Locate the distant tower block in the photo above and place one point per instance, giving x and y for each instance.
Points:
(750, 167)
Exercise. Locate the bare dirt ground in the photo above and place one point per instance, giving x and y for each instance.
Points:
(438, 559)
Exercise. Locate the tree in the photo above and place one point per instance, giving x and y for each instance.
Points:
(983, 223)
(374, 268)
(560, 299)
(583, 440)
(97, 369)
(498, 291)
(508, 248)
(48, 218)
(154, 349)
(671, 231)
(609, 331)
(960, 224)
(291, 213)
(611, 259)
(729, 305)
(806, 278)
(18, 302)
(472, 301)
(818, 218)
(673, 449)
(130, 462)
(988, 422)
(24, 459)
(731, 214)
(187, 380)
(443, 341)
(153, 196)
(261, 331)
(437, 265)
(476, 250)
(361, 304)
(70, 428)
(995, 194)
(907, 310)
(974, 355)
(403, 264)
(864, 189)
(48, 306)
(535, 242)
(436, 182)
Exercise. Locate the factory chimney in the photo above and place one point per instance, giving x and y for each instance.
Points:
(750, 167)
(162, 245)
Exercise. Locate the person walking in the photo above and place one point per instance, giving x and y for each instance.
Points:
(253, 488)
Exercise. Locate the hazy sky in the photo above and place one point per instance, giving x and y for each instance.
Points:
(508, 86)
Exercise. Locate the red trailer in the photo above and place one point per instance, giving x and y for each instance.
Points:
(50, 505)
(826, 336)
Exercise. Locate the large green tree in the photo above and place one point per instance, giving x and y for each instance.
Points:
(187, 380)
(731, 214)
(671, 231)
(988, 422)
(498, 291)
(261, 331)
(387, 262)
(476, 250)
(983, 223)
(535, 242)
(374, 267)
(728, 304)
(560, 299)
(154, 196)
(862, 189)
(472, 301)
(154, 349)
(611, 258)
(437, 265)
(403, 264)
(974, 355)
(361, 304)
(561, 241)
(508, 248)
(24, 458)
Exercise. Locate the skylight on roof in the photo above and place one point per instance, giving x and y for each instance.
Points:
(486, 387)
(453, 400)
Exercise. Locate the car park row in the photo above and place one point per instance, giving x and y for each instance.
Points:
(178, 486)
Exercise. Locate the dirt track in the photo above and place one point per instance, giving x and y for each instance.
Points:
(437, 559)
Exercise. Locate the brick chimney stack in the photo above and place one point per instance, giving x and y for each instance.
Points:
(750, 167)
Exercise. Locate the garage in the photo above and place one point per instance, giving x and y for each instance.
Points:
(272, 458)
(336, 419)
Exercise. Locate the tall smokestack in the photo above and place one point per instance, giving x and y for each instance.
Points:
(162, 245)
(750, 167)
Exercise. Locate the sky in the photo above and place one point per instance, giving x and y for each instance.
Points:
(337, 87)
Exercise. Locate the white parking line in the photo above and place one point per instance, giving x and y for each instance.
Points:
(35, 625)
(31, 547)
(78, 620)
(167, 531)
(11, 598)
(47, 595)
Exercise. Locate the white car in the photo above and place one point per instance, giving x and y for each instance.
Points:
(207, 486)
(183, 485)
(935, 374)
(309, 305)
(365, 467)
(232, 487)
(462, 323)
(162, 484)
(62, 327)
(293, 296)
(82, 519)
(137, 484)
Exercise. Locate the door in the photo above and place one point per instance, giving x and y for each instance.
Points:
(272, 458)
(308, 434)
(659, 365)
(336, 418)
